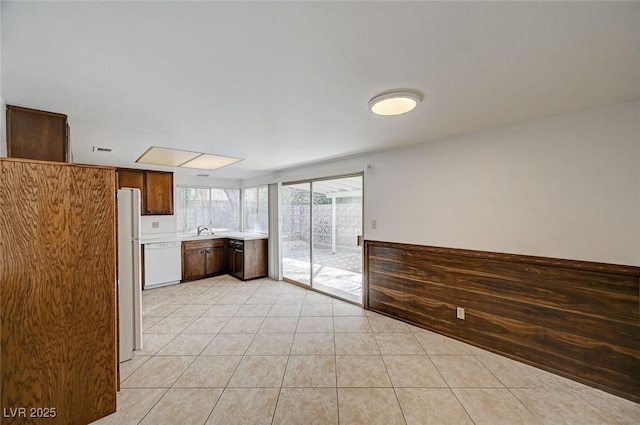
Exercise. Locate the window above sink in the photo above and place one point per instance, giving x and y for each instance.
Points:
(221, 210)
(217, 209)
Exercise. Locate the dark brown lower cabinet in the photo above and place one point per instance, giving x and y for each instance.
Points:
(255, 260)
(58, 356)
(202, 258)
(235, 258)
(210, 257)
(247, 259)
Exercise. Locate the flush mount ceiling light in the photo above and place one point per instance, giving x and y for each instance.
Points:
(394, 102)
(179, 158)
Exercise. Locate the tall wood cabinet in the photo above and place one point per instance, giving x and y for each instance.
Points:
(39, 135)
(156, 189)
(57, 286)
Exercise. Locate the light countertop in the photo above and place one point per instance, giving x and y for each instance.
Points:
(245, 236)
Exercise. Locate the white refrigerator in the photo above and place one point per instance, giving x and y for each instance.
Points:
(129, 273)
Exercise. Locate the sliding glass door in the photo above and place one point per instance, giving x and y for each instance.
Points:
(322, 224)
(296, 232)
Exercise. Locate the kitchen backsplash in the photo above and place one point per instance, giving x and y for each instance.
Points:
(157, 224)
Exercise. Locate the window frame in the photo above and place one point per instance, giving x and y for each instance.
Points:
(259, 214)
(211, 209)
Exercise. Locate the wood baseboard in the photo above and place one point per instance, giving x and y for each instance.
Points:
(577, 319)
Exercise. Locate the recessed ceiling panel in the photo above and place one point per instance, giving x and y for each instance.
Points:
(165, 156)
(210, 162)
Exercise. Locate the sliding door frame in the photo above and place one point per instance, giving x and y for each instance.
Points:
(311, 262)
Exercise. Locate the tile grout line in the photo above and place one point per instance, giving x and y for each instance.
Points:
(393, 388)
(227, 383)
(462, 405)
(284, 374)
(507, 388)
(191, 363)
(237, 365)
(166, 390)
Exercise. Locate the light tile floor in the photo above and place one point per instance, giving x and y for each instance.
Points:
(221, 351)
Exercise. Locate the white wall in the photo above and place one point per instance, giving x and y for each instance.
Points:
(564, 187)
(165, 224)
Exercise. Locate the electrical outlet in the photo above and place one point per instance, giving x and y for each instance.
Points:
(374, 224)
(155, 224)
(460, 313)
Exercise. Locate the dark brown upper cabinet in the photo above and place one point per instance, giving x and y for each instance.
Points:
(156, 189)
(39, 135)
(130, 178)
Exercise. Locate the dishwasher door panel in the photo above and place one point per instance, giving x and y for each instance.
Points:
(162, 264)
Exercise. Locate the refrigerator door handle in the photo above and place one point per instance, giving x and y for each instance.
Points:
(137, 295)
(135, 213)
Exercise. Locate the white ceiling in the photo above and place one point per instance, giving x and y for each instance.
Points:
(282, 84)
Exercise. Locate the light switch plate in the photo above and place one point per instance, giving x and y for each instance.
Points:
(460, 313)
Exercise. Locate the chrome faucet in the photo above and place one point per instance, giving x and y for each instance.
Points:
(201, 229)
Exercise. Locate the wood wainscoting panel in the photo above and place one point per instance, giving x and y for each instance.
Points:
(577, 319)
(57, 289)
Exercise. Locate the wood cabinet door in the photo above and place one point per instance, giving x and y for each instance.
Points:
(57, 282)
(215, 260)
(130, 178)
(158, 193)
(238, 263)
(255, 258)
(193, 266)
(33, 134)
(229, 259)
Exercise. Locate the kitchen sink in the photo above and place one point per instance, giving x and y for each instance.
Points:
(202, 236)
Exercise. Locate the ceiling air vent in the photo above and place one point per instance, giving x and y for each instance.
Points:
(203, 175)
(101, 149)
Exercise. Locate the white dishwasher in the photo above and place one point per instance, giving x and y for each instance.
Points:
(162, 264)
